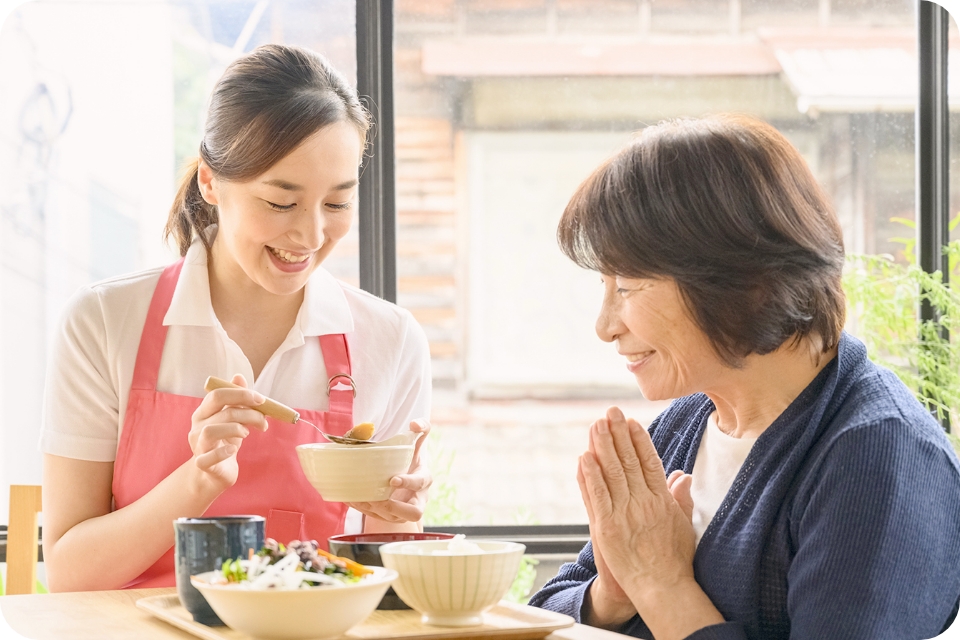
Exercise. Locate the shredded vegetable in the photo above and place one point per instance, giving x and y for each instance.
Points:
(299, 565)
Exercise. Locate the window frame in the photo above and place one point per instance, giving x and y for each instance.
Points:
(933, 152)
(377, 211)
(377, 191)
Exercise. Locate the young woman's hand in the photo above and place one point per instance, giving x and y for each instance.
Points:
(409, 496)
(219, 425)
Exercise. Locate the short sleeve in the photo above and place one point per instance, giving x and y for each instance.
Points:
(412, 384)
(80, 399)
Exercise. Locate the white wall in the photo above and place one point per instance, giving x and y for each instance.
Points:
(86, 153)
(532, 311)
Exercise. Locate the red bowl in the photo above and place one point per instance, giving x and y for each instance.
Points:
(365, 547)
(383, 538)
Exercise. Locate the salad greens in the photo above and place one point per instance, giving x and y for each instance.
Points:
(301, 564)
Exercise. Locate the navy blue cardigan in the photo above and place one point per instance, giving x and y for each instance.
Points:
(844, 521)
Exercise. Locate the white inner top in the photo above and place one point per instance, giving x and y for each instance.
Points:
(94, 351)
(719, 459)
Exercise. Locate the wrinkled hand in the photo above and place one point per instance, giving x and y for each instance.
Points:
(609, 605)
(643, 533)
(409, 495)
(219, 425)
(679, 484)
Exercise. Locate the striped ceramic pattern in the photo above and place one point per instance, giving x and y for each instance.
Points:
(454, 584)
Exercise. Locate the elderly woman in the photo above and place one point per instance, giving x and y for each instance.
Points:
(794, 489)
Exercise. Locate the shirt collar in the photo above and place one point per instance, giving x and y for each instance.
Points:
(191, 304)
(325, 309)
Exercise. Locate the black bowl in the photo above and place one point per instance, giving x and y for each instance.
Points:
(365, 549)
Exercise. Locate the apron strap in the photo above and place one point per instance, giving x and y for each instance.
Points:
(147, 368)
(336, 350)
(336, 358)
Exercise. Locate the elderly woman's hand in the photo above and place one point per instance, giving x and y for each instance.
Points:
(642, 536)
(607, 605)
(409, 496)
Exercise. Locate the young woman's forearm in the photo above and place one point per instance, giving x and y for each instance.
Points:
(110, 550)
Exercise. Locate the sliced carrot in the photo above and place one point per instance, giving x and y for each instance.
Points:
(355, 567)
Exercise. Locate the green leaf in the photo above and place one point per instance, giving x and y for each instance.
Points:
(523, 584)
(883, 297)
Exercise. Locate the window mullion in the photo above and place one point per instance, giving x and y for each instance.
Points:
(378, 233)
(933, 151)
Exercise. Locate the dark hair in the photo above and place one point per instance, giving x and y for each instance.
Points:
(727, 208)
(265, 104)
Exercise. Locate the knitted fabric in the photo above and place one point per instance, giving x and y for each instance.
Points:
(844, 521)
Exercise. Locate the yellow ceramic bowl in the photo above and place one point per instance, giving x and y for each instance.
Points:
(452, 590)
(353, 473)
(297, 614)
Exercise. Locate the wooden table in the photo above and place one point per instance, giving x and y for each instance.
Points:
(113, 615)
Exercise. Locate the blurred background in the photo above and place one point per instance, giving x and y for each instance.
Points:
(502, 108)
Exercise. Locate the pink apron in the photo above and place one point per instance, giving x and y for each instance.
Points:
(154, 443)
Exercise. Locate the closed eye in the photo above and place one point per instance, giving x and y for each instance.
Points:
(343, 206)
(280, 207)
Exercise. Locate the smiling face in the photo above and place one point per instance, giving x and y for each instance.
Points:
(276, 229)
(665, 349)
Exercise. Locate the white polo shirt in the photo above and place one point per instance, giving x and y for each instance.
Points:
(94, 351)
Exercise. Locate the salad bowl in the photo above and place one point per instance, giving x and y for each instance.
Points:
(295, 614)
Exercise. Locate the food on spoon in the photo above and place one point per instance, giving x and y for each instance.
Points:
(363, 431)
(299, 565)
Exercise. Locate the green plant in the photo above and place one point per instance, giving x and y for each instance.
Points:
(443, 507)
(520, 589)
(883, 295)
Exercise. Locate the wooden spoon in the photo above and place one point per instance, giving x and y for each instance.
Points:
(359, 434)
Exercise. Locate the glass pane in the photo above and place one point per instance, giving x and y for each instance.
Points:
(504, 106)
(102, 102)
(953, 96)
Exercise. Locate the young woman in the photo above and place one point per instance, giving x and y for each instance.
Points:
(131, 441)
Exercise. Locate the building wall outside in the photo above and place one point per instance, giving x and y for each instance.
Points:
(485, 164)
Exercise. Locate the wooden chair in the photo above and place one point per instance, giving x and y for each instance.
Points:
(22, 536)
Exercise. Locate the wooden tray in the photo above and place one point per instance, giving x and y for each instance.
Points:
(505, 621)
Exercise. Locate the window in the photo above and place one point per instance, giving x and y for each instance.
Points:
(502, 108)
(102, 103)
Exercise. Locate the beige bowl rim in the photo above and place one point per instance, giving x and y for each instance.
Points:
(380, 575)
(394, 547)
(333, 446)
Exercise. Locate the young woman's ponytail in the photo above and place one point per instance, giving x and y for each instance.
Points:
(190, 215)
